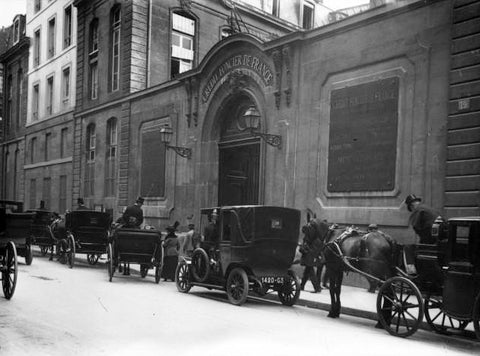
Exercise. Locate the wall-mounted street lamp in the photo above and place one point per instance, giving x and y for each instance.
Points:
(166, 134)
(252, 121)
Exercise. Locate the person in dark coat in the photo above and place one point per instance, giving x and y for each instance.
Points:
(133, 214)
(81, 204)
(310, 259)
(421, 218)
(171, 248)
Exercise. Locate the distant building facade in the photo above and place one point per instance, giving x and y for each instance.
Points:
(14, 62)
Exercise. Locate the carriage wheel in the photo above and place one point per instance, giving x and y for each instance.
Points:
(158, 273)
(182, 277)
(399, 307)
(9, 270)
(438, 320)
(44, 250)
(28, 254)
(71, 251)
(237, 286)
(92, 258)
(200, 265)
(476, 316)
(110, 268)
(290, 291)
(143, 271)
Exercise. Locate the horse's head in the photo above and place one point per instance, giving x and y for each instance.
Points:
(316, 229)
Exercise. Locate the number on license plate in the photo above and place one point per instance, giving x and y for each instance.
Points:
(272, 280)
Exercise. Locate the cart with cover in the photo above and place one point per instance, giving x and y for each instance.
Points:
(248, 249)
(88, 232)
(135, 246)
(17, 228)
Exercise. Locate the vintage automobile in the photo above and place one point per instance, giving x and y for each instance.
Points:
(138, 246)
(448, 280)
(247, 249)
(88, 232)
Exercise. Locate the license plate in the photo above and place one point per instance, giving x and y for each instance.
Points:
(272, 280)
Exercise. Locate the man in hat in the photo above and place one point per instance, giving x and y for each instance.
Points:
(81, 204)
(133, 214)
(421, 218)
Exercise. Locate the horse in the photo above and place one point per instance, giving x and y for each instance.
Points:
(370, 253)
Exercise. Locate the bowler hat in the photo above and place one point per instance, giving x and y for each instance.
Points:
(140, 200)
(411, 198)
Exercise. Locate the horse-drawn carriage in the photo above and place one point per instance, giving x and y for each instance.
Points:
(248, 249)
(138, 246)
(87, 232)
(446, 288)
(42, 230)
(17, 228)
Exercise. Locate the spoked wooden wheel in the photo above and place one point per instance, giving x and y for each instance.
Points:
(200, 265)
(476, 316)
(92, 258)
(438, 320)
(182, 277)
(9, 270)
(399, 307)
(71, 251)
(237, 286)
(290, 291)
(110, 268)
(28, 254)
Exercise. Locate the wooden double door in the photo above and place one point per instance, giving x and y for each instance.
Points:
(239, 167)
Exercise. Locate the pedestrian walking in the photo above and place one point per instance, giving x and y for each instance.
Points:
(171, 248)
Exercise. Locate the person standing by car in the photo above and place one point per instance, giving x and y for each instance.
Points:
(171, 248)
(310, 251)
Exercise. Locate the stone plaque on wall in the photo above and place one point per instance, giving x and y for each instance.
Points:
(363, 137)
(153, 163)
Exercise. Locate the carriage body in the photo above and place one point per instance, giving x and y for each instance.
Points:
(461, 290)
(16, 227)
(254, 247)
(88, 232)
(135, 246)
(41, 229)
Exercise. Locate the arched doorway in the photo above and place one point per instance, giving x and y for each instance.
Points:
(239, 155)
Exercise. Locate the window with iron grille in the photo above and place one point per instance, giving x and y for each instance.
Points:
(48, 139)
(93, 42)
(33, 149)
(36, 48)
(67, 26)
(51, 38)
(63, 142)
(49, 108)
(90, 161)
(111, 157)
(66, 84)
(35, 102)
(93, 80)
(307, 15)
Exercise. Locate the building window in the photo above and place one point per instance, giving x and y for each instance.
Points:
(111, 157)
(19, 95)
(90, 166)
(16, 31)
(9, 108)
(35, 101)
(47, 191)
(183, 41)
(48, 139)
(37, 5)
(33, 193)
(66, 84)
(93, 80)
(49, 95)
(36, 48)
(51, 38)
(62, 194)
(63, 142)
(152, 171)
(307, 15)
(115, 48)
(33, 149)
(93, 44)
(67, 26)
